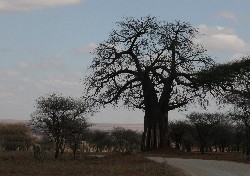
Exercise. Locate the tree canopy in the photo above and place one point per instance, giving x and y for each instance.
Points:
(231, 78)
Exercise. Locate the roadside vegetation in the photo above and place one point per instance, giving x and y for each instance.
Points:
(118, 150)
(22, 163)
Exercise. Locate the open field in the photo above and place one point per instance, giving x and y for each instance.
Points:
(23, 163)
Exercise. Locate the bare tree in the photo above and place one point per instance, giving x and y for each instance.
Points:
(53, 115)
(150, 65)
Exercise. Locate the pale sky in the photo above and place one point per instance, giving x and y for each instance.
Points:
(45, 44)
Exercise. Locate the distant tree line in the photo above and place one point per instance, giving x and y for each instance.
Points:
(117, 140)
(20, 137)
(207, 132)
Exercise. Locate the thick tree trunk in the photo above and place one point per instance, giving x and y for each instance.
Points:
(155, 132)
(151, 116)
(163, 122)
(150, 137)
(155, 120)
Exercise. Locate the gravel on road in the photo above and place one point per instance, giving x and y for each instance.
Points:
(198, 167)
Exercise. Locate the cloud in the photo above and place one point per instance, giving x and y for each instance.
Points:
(31, 5)
(227, 15)
(54, 63)
(19, 91)
(84, 49)
(221, 39)
(58, 84)
(10, 73)
(5, 50)
(209, 30)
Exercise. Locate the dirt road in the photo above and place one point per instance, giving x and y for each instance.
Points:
(197, 167)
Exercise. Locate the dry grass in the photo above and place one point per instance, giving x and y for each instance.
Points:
(22, 163)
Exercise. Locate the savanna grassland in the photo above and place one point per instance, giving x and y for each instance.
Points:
(23, 163)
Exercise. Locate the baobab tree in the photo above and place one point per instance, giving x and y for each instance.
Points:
(150, 65)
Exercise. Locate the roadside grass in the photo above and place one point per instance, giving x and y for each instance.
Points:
(23, 163)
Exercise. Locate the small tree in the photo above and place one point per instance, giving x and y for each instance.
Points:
(98, 140)
(76, 132)
(239, 137)
(188, 140)
(125, 140)
(203, 123)
(177, 131)
(222, 136)
(54, 115)
(243, 117)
